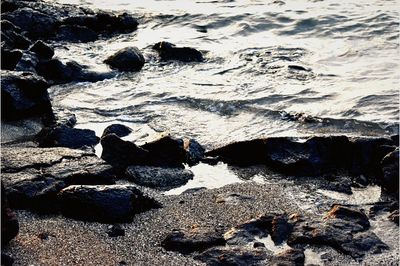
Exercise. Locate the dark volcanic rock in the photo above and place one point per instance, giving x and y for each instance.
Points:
(33, 176)
(127, 59)
(75, 33)
(9, 222)
(107, 204)
(24, 95)
(194, 151)
(117, 129)
(115, 231)
(166, 151)
(348, 214)
(121, 154)
(394, 217)
(280, 229)
(169, 51)
(390, 169)
(28, 62)
(239, 256)
(11, 37)
(42, 50)
(64, 136)
(197, 239)
(290, 257)
(158, 177)
(6, 259)
(10, 58)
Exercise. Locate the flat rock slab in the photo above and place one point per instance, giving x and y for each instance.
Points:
(106, 204)
(33, 176)
(158, 177)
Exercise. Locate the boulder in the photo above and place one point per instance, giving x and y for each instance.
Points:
(194, 240)
(75, 33)
(194, 151)
(121, 154)
(117, 129)
(158, 177)
(106, 204)
(64, 136)
(42, 50)
(390, 169)
(127, 59)
(348, 214)
(24, 95)
(168, 51)
(32, 177)
(10, 58)
(11, 36)
(28, 62)
(9, 222)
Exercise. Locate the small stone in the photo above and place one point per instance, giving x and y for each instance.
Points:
(116, 230)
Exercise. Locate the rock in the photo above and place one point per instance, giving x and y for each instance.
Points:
(11, 36)
(240, 256)
(348, 214)
(280, 229)
(64, 136)
(42, 50)
(194, 151)
(127, 59)
(75, 33)
(159, 177)
(390, 169)
(168, 51)
(6, 259)
(115, 231)
(10, 58)
(258, 245)
(9, 222)
(106, 204)
(32, 177)
(362, 243)
(166, 151)
(36, 24)
(298, 68)
(394, 217)
(64, 118)
(197, 239)
(57, 72)
(290, 257)
(117, 129)
(121, 154)
(24, 95)
(28, 62)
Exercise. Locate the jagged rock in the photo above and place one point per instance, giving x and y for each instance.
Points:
(168, 51)
(10, 58)
(280, 229)
(239, 256)
(42, 50)
(32, 177)
(348, 214)
(390, 169)
(127, 59)
(11, 36)
(75, 33)
(106, 204)
(158, 177)
(197, 239)
(121, 154)
(117, 129)
(28, 62)
(194, 151)
(290, 257)
(9, 222)
(24, 95)
(64, 136)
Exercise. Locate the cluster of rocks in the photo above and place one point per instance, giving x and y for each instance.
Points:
(342, 228)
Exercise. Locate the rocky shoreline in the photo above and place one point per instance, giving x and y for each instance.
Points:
(63, 205)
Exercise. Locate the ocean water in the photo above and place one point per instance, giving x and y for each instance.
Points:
(247, 87)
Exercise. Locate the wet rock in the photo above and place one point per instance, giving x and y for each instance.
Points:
(42, 50)
(106, 204)
(240, 256)
(168, 51)
(6, 259)
(385, 206)
(75, 33)
(390, 169)
(280, 229)
(28, 62)
(11, 36)
(290, 257)
(395, 139)
(10, 58)
(57, 72)
(127, 59)
(117, 129)
(394, 217)
(64, 118)
(194, 151)
(24, 95)
(158, 177)
(121, 154)
(9, 222)
(32, 177)
(64, 136)
(362, 243)
(348, 214)
(197, 239)
(166, 151)
(115, 231)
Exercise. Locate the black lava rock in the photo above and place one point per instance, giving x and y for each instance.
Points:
(10, 58)
(43, 50)
(9, 222)
(127, 59)
(168, 51)
(117, 129)
(115, 231)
